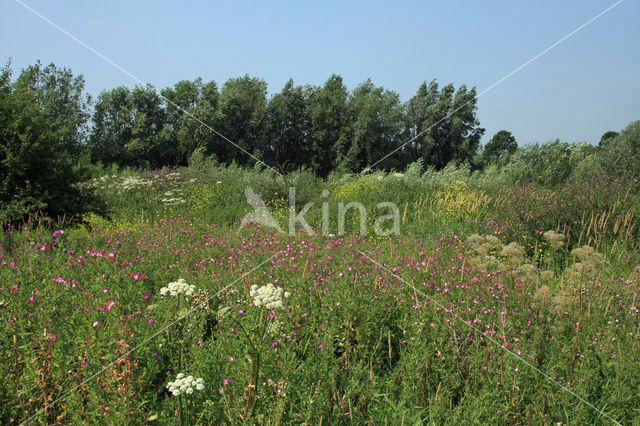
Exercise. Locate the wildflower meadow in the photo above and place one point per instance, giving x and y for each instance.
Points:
(496, 303)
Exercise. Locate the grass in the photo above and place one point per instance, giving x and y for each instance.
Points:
(471, 315)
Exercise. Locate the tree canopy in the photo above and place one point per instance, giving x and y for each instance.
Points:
(42, 125)
(322, 128)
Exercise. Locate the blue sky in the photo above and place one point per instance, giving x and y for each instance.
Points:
(583, 87)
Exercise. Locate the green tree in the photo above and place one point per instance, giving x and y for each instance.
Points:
(182, 97)
(37, 148)
(375, 122)
(287, 144)
(417, 113)
(242, 106)
(502, 143)
(621, 154)
(193, 134)
(112, 127)
(128, 128)
(147, 148)
(443, 124)
(606, 137)
(61, 99)
(328, 110)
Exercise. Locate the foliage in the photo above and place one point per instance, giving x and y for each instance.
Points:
(328, 128)
(501, 144)
(621, 154)
(38, 145)
(442, 125)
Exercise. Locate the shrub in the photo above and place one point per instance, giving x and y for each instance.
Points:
(37, 171)
(621, 154)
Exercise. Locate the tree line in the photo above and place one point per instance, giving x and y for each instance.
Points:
(52, 133)
(322, 128)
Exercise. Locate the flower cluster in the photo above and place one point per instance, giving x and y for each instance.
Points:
(176, 288)
(185, 384)
(170, 200)
(590, 266)
(555, 240)
(268, 296)
(486, 249)
(514, 254)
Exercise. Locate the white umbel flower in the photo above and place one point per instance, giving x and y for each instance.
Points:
(268, 296)
(185, 385)
(176, 288)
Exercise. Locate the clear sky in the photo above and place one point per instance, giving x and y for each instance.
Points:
(577, 91)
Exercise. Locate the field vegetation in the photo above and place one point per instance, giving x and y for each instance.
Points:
(130, 293)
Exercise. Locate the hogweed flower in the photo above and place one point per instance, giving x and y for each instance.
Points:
(268, 296)
(185, 384)
(555, 239)
(176, 288)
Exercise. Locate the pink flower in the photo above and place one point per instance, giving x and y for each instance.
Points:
(221, 391)
(320, 345)
(231, 359)
(95, 324)
(55, 234)
(110, 305)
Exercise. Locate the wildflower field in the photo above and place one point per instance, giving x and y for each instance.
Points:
(497, 303)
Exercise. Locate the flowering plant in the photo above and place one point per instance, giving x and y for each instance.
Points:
(268, 296)
(176, 288)
(185, 384)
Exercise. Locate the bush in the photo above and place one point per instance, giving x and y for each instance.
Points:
(621, 154)
(37, 155)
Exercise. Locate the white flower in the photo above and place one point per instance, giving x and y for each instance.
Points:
(185, 385)
(268, 296)
(176, 288)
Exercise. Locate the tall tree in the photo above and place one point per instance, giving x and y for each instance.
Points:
(146, 147)
(444, 124)
(417, 112)
(183, 96)
(287, 144)
(61, 99)
(621, 153)
(328, 110)
(127, 128)
(112, 127)
(502, 143)
(195, 127)
(606, 137)
(242, 107)
(375, 123)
